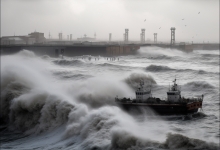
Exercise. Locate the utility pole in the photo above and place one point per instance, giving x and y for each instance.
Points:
(142, 35)
(172, 35)
(155, 37)
(110, 37)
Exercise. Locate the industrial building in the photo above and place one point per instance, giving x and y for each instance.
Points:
(85, 38)
(32, 38)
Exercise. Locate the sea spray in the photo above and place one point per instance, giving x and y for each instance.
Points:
(71, 113)
(134, 80)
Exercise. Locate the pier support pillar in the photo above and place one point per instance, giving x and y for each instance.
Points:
(172, 35)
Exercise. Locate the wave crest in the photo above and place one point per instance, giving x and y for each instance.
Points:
(9, 92)
(178, 141)
(155, 68)
(36, 112)
(26, 53)
(65, 62)
(125, 140)
(96, 100)
(27, 109)
(134, 79)
(198, 85)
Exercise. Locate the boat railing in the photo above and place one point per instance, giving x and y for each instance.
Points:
(193, 99)
(123, 99)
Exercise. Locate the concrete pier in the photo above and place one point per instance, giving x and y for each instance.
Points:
(73, 50)
(98, 49)
(190, 47)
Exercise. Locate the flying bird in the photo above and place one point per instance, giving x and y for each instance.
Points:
(199, 13)
(185, 25)
(183, 19)
(160, 27)
(144, 20)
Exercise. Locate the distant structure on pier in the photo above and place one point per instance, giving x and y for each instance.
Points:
(126, 35)
(155, 37)
(110, 37)
(49, 35)
(31, 38)
(142, 35)
(172, 35)
(60, 36)
(85, 38)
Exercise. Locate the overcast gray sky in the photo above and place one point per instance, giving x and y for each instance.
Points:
(79, 17)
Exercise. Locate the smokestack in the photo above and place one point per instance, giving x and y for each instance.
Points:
(110, 37)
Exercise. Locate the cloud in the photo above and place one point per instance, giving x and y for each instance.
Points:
(79, 17)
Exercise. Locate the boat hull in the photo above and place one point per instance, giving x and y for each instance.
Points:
(161, 109)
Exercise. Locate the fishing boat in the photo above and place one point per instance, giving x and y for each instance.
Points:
(175, 104)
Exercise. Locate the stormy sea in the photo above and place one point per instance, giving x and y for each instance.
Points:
(69, 103)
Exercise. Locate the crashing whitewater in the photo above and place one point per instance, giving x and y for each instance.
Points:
(49, 103)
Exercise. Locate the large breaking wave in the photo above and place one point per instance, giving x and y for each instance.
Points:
(35, 102)
(161, 68)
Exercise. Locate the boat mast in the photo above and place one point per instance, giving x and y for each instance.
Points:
(150, 88)
(169, 87)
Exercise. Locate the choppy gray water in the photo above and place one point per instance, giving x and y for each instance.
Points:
(53, 103)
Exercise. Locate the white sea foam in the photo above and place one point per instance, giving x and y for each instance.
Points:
(81, 114)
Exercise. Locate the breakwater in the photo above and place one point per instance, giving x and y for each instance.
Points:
(98, 49)
(73, 50)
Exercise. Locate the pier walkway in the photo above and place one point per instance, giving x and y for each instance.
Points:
(99, 48)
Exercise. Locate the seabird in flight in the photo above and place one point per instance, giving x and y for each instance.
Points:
(199, 13)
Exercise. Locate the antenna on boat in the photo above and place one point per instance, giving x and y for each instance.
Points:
(141, 83)
(151, 88)
(175, 79)
(169, 86)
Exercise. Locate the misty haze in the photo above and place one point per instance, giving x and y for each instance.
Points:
(109, 75)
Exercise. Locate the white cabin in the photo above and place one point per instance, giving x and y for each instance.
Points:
(173, 95)
(142, 94)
